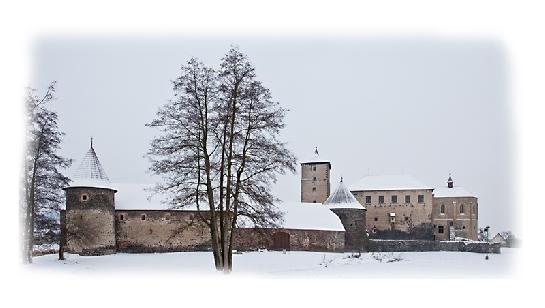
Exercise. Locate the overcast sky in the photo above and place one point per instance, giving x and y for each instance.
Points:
(422, 105)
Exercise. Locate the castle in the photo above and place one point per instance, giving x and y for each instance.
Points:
(103, 217)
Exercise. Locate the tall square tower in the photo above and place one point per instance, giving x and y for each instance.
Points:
(315, 184)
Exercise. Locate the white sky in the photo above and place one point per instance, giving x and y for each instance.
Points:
(380, 105)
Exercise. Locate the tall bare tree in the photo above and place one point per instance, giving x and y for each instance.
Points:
(219, 149)
(43, 180)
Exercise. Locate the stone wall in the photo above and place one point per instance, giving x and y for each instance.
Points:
(89, 221)
(353, 221)
(465, 224)
(315, 182)
(420, 245)
(160, 231)
(299, 240)
(412, 219)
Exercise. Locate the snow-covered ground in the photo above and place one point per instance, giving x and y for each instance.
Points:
(297, 264)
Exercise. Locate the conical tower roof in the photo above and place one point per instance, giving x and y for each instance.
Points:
(90, 172)
(342, 198)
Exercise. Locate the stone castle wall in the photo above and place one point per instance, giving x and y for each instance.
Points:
(422, 245)
(301, 240)
(160, 231)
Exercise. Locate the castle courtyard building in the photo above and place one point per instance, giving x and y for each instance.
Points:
(455, 213)
(398, 206)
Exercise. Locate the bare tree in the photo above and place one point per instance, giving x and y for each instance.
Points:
(219, 149)
(43, 180)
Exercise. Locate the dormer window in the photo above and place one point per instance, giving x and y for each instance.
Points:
(84, 197)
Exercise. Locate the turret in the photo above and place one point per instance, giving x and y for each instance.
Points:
(450, 182)
(88, 224)
(352, 215)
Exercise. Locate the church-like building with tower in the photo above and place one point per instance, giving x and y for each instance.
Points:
(103, 217)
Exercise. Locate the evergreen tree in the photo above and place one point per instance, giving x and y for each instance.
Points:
(43, 179)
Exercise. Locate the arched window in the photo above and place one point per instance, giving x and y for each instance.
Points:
(442, 209)
(461, 208)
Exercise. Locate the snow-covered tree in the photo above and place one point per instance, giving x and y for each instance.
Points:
(219, 148)
(483, 234)
(43, 179)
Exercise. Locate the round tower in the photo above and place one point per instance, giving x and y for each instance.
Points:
(88, 223)
(352, 215)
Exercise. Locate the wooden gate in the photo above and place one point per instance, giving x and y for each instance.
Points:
(281, 241)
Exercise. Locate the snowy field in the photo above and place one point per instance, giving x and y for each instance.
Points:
(297, 264)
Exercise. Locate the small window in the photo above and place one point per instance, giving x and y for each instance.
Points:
(394, 199)
(84, 197)
(376, 218)
(442, 209)
(314, 201)
(406, 218)
(420, 198)
(461, 209)
(380, 199)
(441, 229)
(463, 227)
(368, 199)
(313, 168)
(407, 199)
(121, 217)
(167, 217)
(143, 217)
(314, 179)
(313, 188)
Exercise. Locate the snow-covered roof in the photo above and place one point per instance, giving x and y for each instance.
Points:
(388, 182)
(90, 173)
(316, 161)
(297, 215)
(456, 191)
(309, 216)
(342, 198)
(139, 196)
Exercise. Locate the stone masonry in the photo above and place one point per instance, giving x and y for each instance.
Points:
(315, 181)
